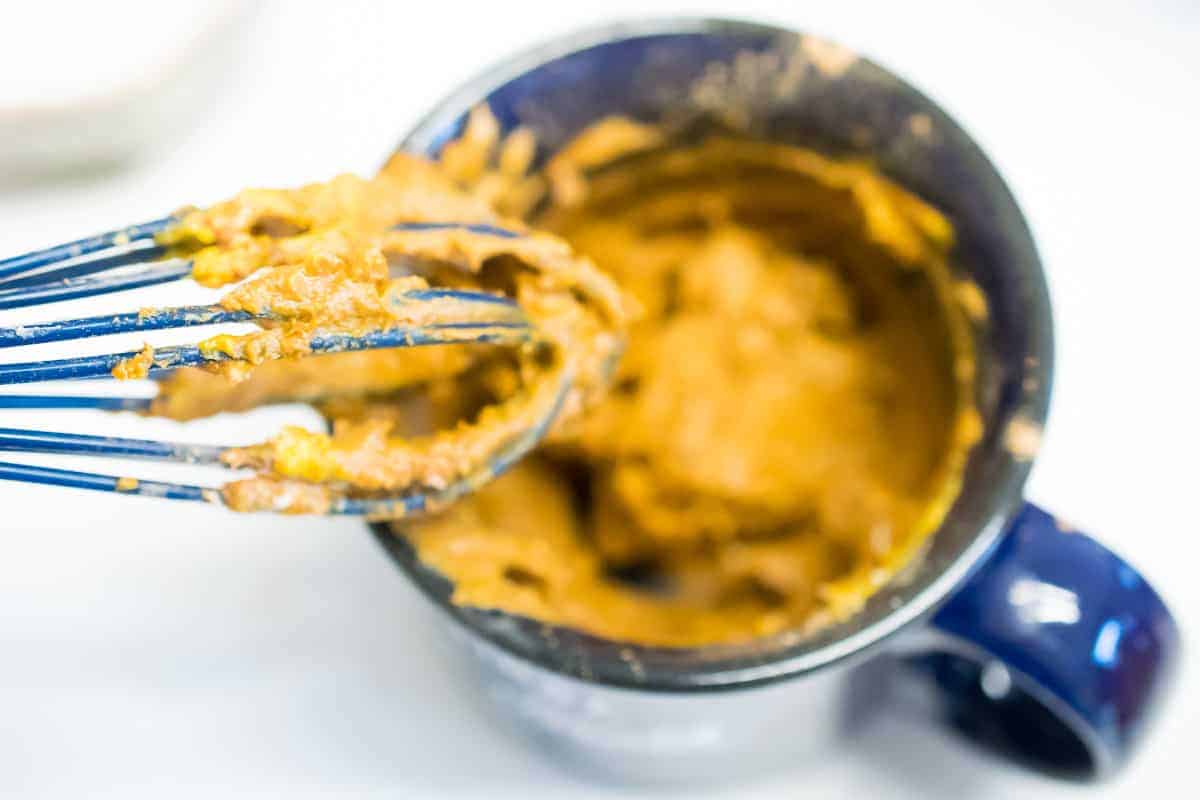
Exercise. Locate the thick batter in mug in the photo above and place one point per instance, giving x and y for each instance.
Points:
(789, 419)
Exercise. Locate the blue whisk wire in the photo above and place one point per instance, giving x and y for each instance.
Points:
(71, 479)
(76, 288)
(146, 251)
(198, 315)
(33, 441)
(28, 262)
(109, 262)
(175, 356)
(62, 402)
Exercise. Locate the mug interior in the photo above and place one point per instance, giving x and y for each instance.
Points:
(840, 104)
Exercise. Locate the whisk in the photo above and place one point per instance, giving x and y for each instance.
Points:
(134, 257)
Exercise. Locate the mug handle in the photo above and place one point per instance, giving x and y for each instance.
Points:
(1055, 650)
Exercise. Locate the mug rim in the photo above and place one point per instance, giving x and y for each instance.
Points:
(808, 653)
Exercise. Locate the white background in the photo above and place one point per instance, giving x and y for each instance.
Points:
(157, 650)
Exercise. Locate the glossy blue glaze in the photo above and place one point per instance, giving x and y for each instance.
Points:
(563, 96)
(1078, 630)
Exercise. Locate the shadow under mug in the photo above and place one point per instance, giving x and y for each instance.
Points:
(1036, 638)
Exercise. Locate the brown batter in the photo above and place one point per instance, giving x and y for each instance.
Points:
(786, 426)
(789, 420)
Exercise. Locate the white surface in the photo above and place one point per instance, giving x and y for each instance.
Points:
(157, 650)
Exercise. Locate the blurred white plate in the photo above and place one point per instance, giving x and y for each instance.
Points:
(117, 77)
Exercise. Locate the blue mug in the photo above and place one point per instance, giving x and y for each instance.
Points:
(1037, 638)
